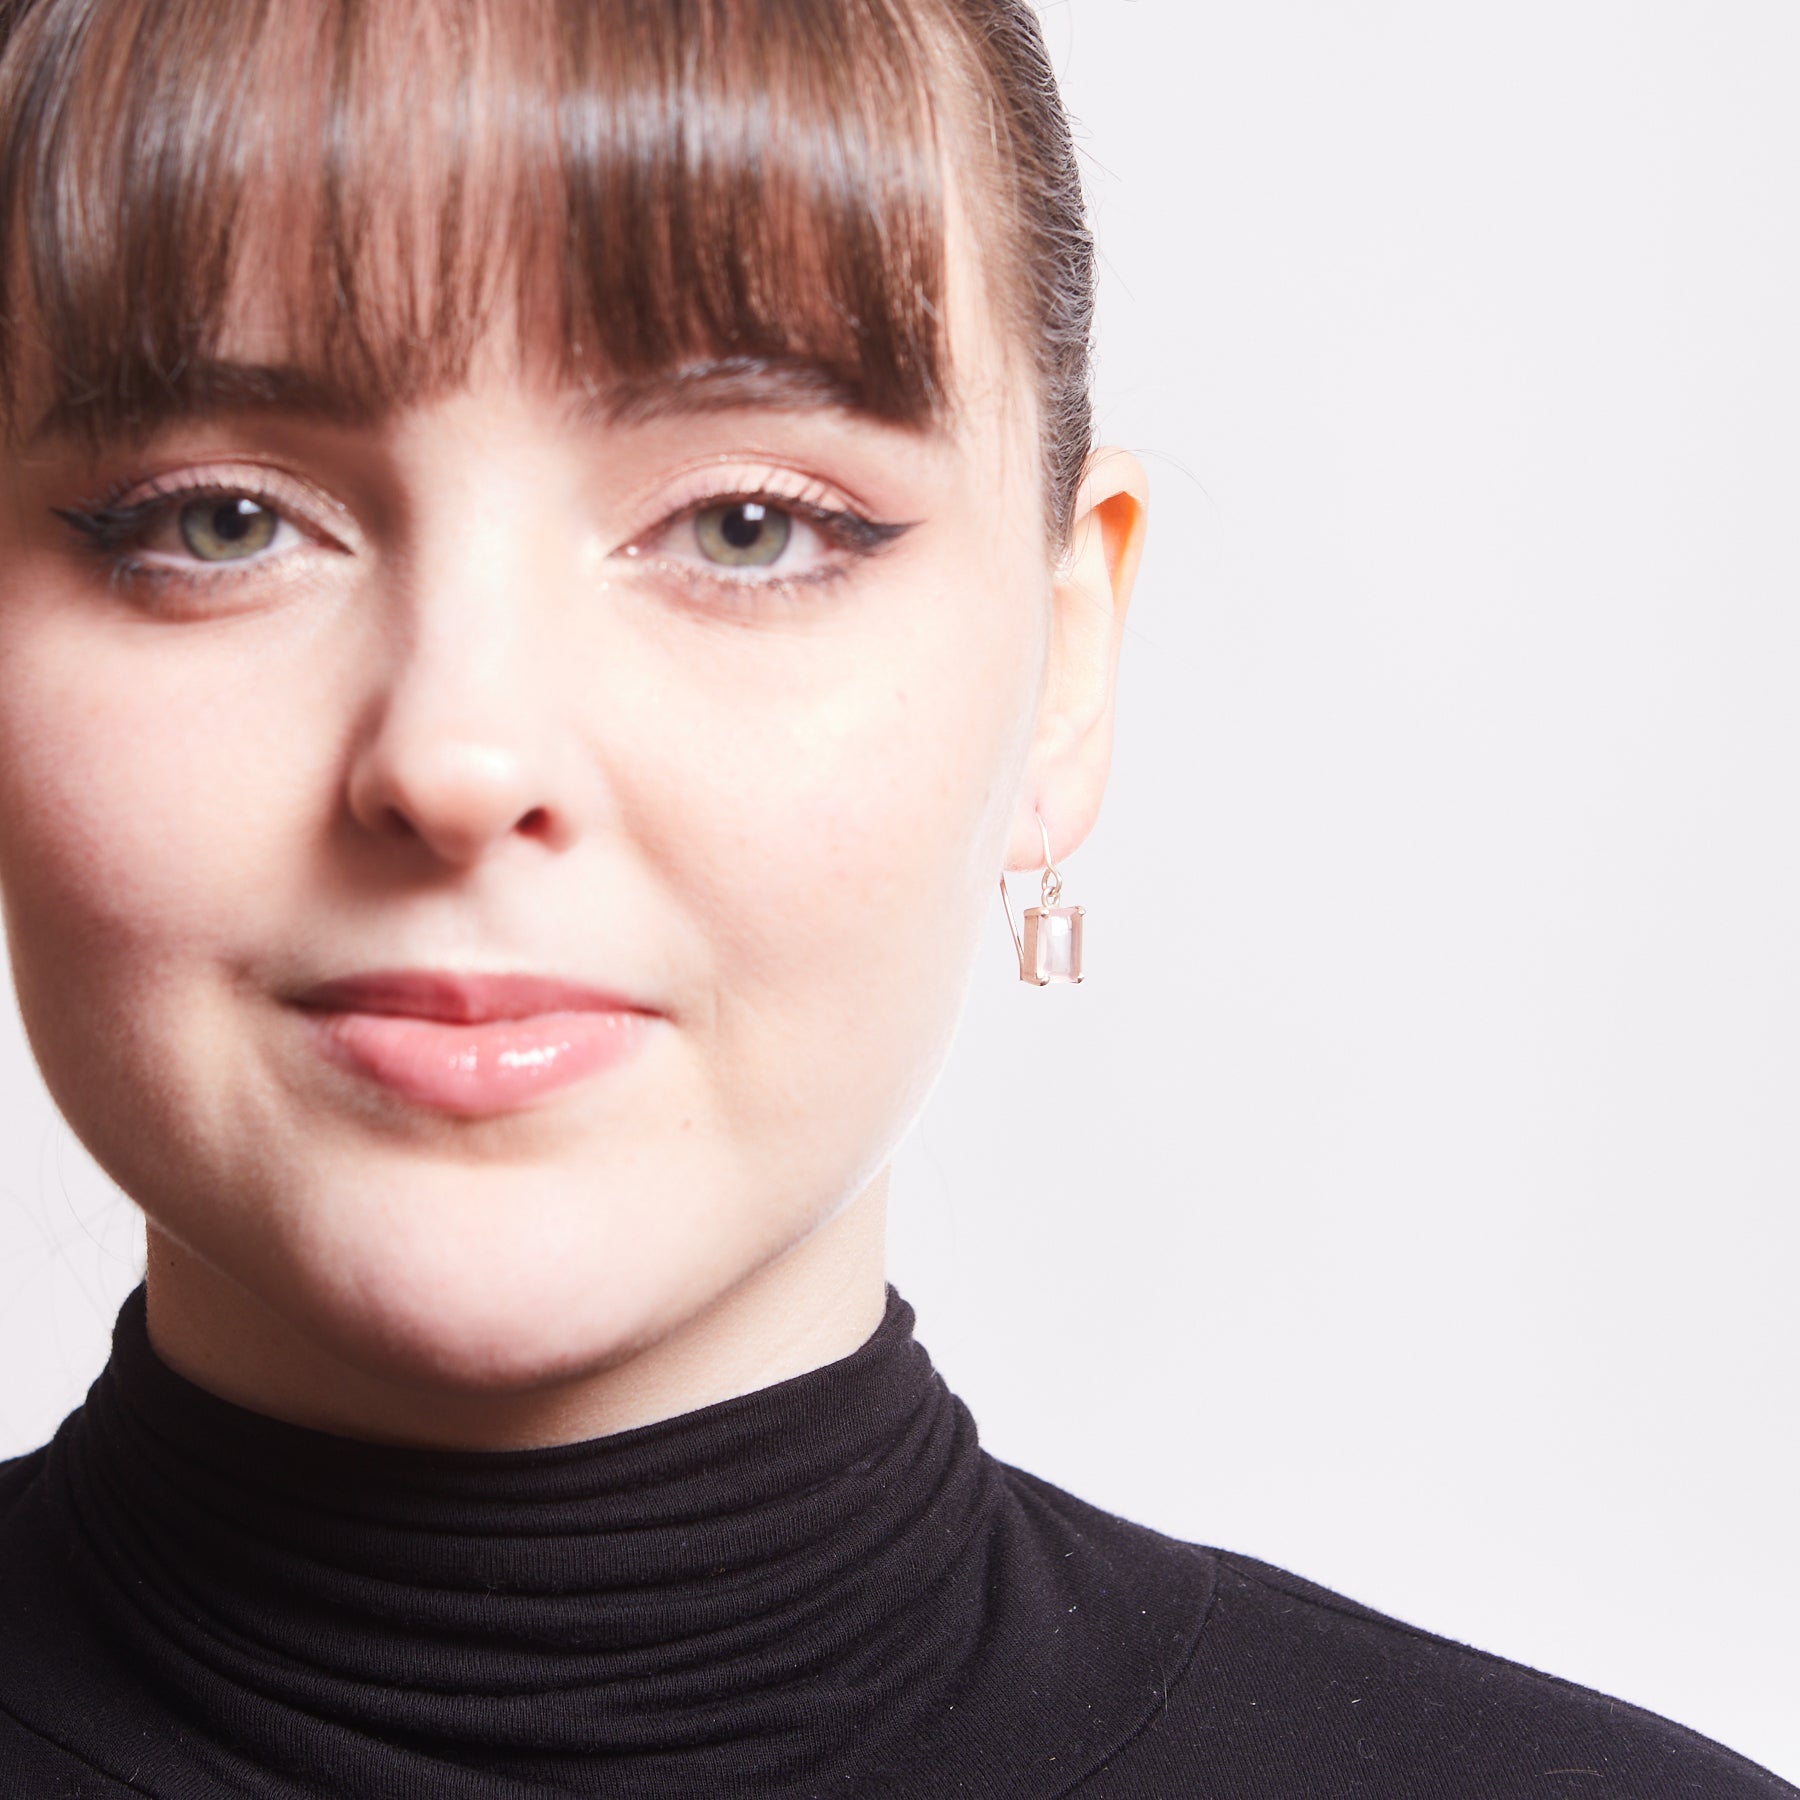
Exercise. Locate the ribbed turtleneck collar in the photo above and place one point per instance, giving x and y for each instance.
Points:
(821, 1587)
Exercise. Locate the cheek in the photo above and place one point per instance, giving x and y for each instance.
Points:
(837, 808)
(141, 786)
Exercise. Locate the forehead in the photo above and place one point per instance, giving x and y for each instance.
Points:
(336, 213)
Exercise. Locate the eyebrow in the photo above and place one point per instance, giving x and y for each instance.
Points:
(734, 384)
(210, 387)
(205, 388)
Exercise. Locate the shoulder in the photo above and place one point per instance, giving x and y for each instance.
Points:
(17, 1477)
(31, 1763)
(1292, 1681)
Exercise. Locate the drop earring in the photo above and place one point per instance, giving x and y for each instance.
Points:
(1050, 950)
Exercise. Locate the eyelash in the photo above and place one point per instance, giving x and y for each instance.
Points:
(109, 526)
(856, 536)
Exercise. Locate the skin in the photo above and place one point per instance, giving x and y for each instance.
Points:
(489, 709)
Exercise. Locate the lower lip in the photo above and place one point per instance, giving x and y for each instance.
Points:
(497, 1067)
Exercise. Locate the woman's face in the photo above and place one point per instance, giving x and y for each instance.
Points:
(723, 715)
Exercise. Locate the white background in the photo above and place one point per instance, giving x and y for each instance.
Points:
(1408, 1196)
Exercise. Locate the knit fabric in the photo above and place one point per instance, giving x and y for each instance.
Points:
(824, 1588)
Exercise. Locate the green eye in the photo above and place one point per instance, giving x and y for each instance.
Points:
(746, 534)
(228, 530)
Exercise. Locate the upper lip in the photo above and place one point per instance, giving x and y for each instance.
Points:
(459, 999)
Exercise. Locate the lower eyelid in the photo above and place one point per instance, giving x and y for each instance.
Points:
(722, 595)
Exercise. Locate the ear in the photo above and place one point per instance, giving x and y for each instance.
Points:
(1071, 749)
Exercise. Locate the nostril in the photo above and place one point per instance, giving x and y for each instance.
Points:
(535, 823)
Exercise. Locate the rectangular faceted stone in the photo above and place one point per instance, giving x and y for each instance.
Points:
(1053, 943)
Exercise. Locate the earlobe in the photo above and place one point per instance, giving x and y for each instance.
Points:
(1072, 749)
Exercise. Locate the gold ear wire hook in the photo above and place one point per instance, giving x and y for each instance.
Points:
(1006, 901)
(1050, 888)
(1050, 949)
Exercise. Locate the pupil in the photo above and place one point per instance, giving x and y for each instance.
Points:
(234, 520)
(743, 525)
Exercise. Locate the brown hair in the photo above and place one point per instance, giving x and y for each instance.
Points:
(733, 186)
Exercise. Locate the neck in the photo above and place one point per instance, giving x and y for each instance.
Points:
(810, 1307)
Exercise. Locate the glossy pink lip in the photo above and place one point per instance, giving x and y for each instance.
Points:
(471, 1044)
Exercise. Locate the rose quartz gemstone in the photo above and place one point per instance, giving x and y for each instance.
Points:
(1059, 943)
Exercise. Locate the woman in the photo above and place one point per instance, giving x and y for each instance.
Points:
(550, 553)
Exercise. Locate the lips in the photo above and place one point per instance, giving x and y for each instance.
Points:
(471, 1044)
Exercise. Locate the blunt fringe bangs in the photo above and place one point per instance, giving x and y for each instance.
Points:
(646, 186)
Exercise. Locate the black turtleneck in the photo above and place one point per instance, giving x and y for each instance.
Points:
(823, 1588)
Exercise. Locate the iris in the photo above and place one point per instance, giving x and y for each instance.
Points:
(226, 530)
(743, 534)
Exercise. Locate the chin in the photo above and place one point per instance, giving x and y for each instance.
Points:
(488, 1284)
(467, 1280)
(482, 1326)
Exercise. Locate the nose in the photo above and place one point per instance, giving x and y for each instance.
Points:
(458, 752)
